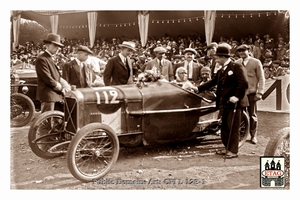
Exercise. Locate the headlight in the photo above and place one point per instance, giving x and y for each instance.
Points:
(25, 89)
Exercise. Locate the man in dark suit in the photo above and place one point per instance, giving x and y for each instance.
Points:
(193, 68)
(232, 83)
(49, 88)
(77, 72)
(118, 70)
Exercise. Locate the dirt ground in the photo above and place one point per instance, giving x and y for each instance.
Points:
(188, 166)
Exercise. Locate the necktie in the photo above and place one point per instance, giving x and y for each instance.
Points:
(243, 62)
(127, 66)
(160, 65)
(222, 69)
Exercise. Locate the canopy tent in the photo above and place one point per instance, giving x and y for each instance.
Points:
(142, 24)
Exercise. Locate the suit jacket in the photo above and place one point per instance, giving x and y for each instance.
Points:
(71, 72)
(232, 82)
(116, 73)
(213, 67)
(48, 76)
(167, 68)
(196, 74)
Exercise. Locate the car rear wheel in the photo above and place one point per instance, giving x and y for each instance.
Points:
(46, 131)
(279, 145)
(22, 110)
(92, 152)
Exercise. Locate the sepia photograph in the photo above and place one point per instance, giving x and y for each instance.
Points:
(139, 99)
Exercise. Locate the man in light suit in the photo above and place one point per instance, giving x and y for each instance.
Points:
(193, 68)
(164, 66)
(256, 78)
(49, 88)
(232, 84)
(77, 72)
(118, 70)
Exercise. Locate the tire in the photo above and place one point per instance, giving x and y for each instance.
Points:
(244, 128)
(22, 110)
(46, 131)
(279, 144)
(97, 147)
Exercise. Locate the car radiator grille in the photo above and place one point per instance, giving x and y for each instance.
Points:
(71, 114)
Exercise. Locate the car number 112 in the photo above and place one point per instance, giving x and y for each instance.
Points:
(110, 97)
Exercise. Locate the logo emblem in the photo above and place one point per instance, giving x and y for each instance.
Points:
(272, 171)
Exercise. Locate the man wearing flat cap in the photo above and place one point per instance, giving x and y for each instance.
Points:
(49, 87)
(77, 72)
(118, 70)
(163, 65)
(193, 68)
(256, 80)
(232, 84)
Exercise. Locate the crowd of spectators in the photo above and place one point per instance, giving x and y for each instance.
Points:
(265, 48)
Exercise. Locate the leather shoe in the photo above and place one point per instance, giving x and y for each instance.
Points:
(230, 156)
(253, 140)
(221, 152)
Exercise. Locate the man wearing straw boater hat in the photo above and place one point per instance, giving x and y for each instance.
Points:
(161, 64)
(193, 68)
(118, 70)
(49, 87)
(231, 81)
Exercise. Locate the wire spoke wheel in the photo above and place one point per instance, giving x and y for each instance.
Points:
(45, 132)
(22, 110)
(279, 145)
(92, 152)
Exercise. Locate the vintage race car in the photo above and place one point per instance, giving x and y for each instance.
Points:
(97, 121)
(23, 94)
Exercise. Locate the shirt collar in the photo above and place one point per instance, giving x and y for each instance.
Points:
(52, 55)
(78, 61)
(246, 59)
(122, 57)
(226, 63)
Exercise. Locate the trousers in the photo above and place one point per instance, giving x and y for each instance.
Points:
(252, 111)
(228, 133)
(51, 105)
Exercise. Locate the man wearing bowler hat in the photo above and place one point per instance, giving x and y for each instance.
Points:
(163, 65)
(77, 72)
(193, 68)
(49, 88)
(231, 81)
(256, 80)
(118, 70)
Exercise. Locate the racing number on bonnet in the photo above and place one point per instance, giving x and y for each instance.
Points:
(110, 97)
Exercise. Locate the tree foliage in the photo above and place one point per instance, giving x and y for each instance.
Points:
(31, 31)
